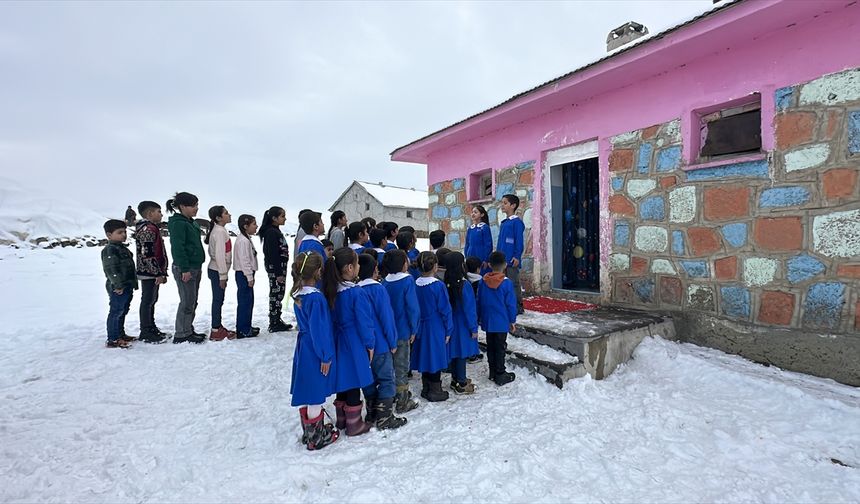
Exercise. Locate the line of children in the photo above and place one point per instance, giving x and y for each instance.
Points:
(220, 260)
(380, 394)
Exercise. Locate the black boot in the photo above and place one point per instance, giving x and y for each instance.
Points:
(402, 401)
(385, 419)
(504, 378)
(279, 326)
(370, 417)
(435, 392)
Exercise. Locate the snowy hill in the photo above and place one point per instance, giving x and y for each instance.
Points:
(27, 216)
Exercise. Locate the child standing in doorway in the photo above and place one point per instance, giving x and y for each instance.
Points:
(479, 239)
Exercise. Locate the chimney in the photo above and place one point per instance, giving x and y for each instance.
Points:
(628, 32)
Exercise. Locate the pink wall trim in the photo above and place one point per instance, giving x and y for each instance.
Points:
(742, 60)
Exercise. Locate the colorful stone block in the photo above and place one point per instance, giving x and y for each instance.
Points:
(837, 234)
(696, 269)
(643, 164)
(803, 267)
(735, 301)
(748, 169)
(678, 247)
(854, 132)
(735, 234)
(782, 197)
(823, 306)
(622, 233)
(669, 159)
(652, 209)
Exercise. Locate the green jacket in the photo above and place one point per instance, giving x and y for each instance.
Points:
(118, 265)
(185, 245)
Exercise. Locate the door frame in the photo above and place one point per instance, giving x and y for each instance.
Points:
(553, 186)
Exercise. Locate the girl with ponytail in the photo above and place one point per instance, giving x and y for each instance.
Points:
(188, 257)
(276, 255)
(220, 260)
(352, 319)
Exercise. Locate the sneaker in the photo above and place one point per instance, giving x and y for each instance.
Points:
(255, 331)
(152, 337)
(279, 326)
(475, 358)
(126, 337)
(118, 343)
(191, 338)
(463, 388)
(504, 378)
(218, 334)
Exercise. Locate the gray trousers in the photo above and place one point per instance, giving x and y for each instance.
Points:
(187, 301)
(401, 363)
(514, 275)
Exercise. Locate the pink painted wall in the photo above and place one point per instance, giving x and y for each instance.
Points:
(758, 46)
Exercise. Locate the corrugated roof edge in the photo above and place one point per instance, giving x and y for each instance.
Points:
(622, 50)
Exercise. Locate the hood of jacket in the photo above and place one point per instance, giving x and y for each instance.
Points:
(494, 280)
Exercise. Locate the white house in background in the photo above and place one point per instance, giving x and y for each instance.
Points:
(405, 206)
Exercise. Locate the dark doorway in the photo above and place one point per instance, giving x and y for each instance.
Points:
(581, 227)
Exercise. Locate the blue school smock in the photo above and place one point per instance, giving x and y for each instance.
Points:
(430, 352)
(413, 254)
(379, 255)
(465, 317)
(511, 235)
(314, 346)
(391, 246)
(383, 320)
(479, 241)
(352, 319)
(312, 243)
(358, 248)
(404, 303)
(497, 308)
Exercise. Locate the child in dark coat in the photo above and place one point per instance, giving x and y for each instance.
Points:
(188, 256)
(407, 314)
(430, 352)
(497, 312)
(118, 265)
(380, 393)
(314, 359)
(352, 318)
(276, 255)
(151, 268)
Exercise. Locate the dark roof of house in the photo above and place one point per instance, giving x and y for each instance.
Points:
(618, 52)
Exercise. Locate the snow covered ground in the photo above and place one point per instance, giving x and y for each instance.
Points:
(212, 423)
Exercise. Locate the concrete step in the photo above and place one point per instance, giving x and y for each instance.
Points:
(569, 345)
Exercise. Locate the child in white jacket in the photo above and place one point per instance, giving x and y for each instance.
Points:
(220, 257)
(245, 265)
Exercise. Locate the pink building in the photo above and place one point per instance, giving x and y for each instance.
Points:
(709, 171)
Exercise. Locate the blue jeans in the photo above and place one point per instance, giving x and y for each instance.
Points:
(382, 387)
(458, 370)
(118, 309)
(217, 297)
(245, 300)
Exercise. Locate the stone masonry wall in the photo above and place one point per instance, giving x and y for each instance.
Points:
(450, 210)
(772, 241)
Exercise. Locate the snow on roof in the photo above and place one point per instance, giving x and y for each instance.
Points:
(393, 196)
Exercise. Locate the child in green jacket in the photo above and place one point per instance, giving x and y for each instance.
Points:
(119, 268)
(188, 256)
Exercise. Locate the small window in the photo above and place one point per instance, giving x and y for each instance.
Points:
(731, 131)
(409, 214)
(481, 186)
(367, 207)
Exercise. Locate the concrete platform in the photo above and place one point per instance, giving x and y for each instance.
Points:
(598, 341)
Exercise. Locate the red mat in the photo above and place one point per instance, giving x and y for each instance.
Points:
(550, 305)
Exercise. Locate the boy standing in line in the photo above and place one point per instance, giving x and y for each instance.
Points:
(151, 268)
(511, 234)
(497, 315)
(118, 265)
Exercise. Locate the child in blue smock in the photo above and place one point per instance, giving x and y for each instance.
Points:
(314, 358)
(352, 319)
(406, 243)
(356, 232)
(430, 351)
(391, 231)
(464, 338)
(479, 239)
(380, 394)
(511, 237)
(404, 303)
(313, 226)
(497, 313)
(378, 242)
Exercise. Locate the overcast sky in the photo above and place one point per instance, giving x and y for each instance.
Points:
(253, 104)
